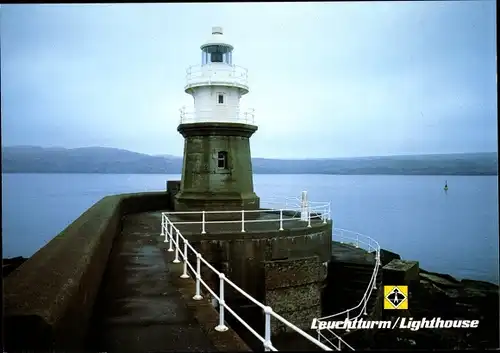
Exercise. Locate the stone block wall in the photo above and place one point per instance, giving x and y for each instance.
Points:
(242, 256)
(173, 187)
(293, 289)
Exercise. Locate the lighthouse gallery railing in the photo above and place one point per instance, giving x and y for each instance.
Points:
(307, 211)
(210, 115)
(216, 73)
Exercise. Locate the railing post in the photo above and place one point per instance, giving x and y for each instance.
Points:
(221, 327)
(347, 329)
(304, 206)
(308, 216)
(203, 222)
(176, 260)
(325, 215)
(162, 224)
(170, 235)
(184, 272)
(357, 240)
(267, 332)
(198, 296)
(166, 235)
(281, 219)
(243, 221)
(164, 230)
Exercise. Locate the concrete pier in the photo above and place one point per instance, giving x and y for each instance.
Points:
(107, 283)
(139, 308)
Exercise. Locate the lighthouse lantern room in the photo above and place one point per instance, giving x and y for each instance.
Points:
(217, 166)
(216, 85)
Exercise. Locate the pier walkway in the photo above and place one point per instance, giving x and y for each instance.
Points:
(109, 282)
(140, 307)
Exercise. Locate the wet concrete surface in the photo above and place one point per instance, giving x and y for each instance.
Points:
(138, 308)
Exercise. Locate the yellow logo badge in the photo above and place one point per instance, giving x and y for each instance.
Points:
(396, 297)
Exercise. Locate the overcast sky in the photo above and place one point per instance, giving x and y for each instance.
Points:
(326, 79)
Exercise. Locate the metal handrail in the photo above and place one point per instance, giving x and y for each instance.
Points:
(238, 70)
(192, 116)
(236, 74)
(321, 211)
(372, 245)
(167, 229)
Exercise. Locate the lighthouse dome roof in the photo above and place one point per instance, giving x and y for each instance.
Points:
(217, 38)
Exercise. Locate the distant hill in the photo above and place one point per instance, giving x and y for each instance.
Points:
(31, 159)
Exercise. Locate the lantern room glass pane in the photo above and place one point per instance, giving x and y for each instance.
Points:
(217, 54)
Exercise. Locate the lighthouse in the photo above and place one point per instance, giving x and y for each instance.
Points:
(217, 166)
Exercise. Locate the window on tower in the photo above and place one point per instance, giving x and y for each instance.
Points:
(222, 160)
(216, 57)
(220, 98)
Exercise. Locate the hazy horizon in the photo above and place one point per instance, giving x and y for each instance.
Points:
(290, 158)
(327, 80)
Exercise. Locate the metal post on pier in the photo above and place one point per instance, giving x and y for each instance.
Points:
(166, 234)
(176, 260)
(304, 207)
(308, 217)
(164, 229)
(243, 221)
(185, 256)
(170, 246)
(203, 222)
(267, 333)
(198, 296)
(221, 327)
(281, 219)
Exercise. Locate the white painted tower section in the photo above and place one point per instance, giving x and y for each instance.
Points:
(216, 85)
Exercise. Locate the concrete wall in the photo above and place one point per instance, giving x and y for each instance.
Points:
(49, 299)
(285, 270)
(293, 290)
(243, 255)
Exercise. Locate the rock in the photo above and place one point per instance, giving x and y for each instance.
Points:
(400, 272)
(440, 275)
(442, 281)
(480, 285)
(438, 295)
